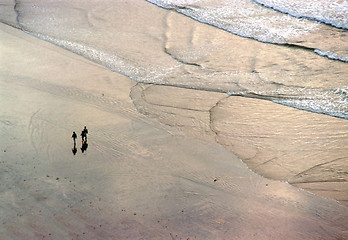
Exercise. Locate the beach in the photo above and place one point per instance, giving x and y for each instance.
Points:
(164, 160)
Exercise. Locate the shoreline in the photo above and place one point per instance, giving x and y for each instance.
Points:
(295, 132)
(197, 118)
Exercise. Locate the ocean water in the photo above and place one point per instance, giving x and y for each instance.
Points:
(291, 24)
(295, 53)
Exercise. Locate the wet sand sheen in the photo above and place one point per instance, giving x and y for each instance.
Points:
(305, 149)
(138, 178)
(143, 179)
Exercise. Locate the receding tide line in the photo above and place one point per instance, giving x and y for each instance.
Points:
(15, 9)
(99, 60)
(314, 50)
(324, 21)
(330, 55)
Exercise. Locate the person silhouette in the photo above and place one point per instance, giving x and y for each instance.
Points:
(74, 136)
(84, 134)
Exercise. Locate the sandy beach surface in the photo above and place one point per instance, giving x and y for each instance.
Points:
(147, 174)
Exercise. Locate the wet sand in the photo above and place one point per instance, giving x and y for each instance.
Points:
(151, 171)
(305, 149)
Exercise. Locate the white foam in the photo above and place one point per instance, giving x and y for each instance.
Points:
(333, 103)
(112, 61)
(330, 102)
(330, 55)
(317, 106)
(333, 12)
(243, 18)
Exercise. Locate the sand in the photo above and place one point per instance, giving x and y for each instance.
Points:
(139, 178)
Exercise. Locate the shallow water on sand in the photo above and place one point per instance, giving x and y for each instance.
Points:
(296, 69)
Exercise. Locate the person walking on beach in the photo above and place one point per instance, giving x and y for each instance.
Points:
(74, 136)
(84, 134)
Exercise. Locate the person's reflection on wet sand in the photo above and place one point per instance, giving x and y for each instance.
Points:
(84, 146)
(74, 149)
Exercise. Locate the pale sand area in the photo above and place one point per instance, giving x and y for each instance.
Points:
(139, 179)
(305, 149)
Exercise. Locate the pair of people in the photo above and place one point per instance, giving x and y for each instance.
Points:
(83, 135)
(84, 140)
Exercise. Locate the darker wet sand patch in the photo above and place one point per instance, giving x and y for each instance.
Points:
(278, 142)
